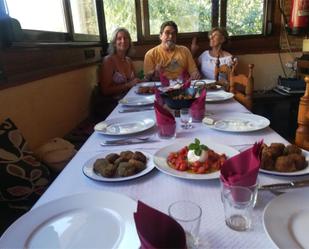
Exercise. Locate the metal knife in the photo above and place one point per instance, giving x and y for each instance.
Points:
(125, 142)
(288, 185)
(135, 110)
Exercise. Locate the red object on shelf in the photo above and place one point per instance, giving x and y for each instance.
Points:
(299, 21)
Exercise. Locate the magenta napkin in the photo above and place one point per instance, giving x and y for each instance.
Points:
(197, 108)
(157, 230)
(165, 120)
(159, 99)
(164, 80)
(186, 84)
(242, 169)
(185, 76)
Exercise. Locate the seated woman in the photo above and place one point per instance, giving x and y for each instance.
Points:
(117, 72)
(218, 37)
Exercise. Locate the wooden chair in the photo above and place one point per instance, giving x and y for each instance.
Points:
(242, 85)
(302, 132)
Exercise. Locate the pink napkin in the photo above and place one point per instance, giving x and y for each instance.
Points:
(242, 169)
(186, 84)
(185, 76)
(197, 108)
(165, 120)
(164, 81)
(159, 99)
(157, 230)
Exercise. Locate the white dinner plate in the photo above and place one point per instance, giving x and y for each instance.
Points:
(217, 96)
(160, 158)
(286, 219)
(87, 220)
(239, 122)
(147, 84)
(125, 125)
(88, 168)
(202, 82)
(304, 171)
(137, 100)
(150, 83)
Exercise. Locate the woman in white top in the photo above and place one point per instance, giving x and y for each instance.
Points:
(207, 60)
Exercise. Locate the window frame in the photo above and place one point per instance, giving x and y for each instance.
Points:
(268, 41)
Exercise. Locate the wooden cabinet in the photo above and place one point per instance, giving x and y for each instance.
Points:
(281, 110)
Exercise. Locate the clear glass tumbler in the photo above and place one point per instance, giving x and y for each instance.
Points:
(185, 118)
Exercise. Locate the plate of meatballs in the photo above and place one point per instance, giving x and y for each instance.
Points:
(118, 166)
(289, 160)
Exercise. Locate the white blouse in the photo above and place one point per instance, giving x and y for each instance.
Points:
(208, 64)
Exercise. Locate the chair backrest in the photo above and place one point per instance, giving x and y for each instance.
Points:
(242, 85)
(224, 70)
(302, 132)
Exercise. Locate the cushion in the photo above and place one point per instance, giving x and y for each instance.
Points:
(23, 178)
(56, 153)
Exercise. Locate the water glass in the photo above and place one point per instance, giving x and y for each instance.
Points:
(188, 214)
(238, 204)
(185, 118)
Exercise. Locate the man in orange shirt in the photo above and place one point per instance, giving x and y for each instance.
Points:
(168, 58)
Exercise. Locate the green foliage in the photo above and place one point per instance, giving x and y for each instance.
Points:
(120, 13)
(243, 17)
(197, 147)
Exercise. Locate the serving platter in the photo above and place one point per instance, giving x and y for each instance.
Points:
(153, 84)
(238, 122)
(86, 220)
(89, 172)
(304, 171)
(160, 158)
(125, 126)
(285, 219)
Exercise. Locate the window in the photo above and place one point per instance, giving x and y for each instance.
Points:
(190, 16)
(248, 21)
(120, 13)
(194, 16)
(56, 20)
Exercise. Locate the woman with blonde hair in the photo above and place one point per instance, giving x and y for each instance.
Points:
(117, 74)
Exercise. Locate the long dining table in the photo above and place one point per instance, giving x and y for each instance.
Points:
(159, 190)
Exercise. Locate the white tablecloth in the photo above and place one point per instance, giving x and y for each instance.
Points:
(159, 190)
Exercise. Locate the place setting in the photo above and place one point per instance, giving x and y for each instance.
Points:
(75, 221)
(236, 122)
(136, 103)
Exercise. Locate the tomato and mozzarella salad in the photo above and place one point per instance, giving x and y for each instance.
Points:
(196, 158)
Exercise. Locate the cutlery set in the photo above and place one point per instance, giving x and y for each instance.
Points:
(137, 140)
(136, 109)
(288, 185)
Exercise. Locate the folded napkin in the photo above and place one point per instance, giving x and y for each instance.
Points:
(157, 230)
(158, 97)
(242, 169)
(165, 120)
(185, 76)
(164, 80)
(186, 84)
(197, 108)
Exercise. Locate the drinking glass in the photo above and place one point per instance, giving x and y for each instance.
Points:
(238, 205)
(185, 118)
(188, 214)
